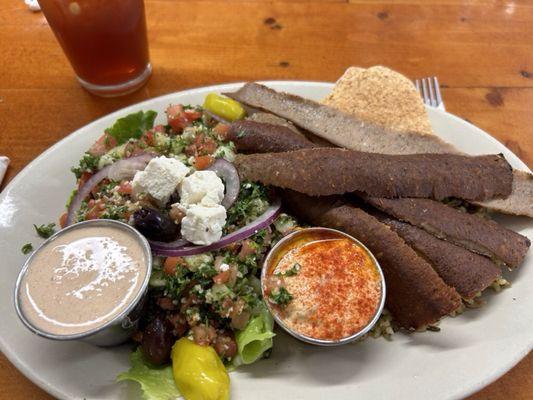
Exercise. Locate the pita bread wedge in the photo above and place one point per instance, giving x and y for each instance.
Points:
(381, 96)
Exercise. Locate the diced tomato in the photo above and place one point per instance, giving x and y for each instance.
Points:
(159, 128)
(63, 220)
(84, 178)
(228, 276)
(125, 187)
(190, 150)
(177, 118)
(103, 144)
(225, 344)
(208, 147)
(134, 148)
(221, 277)
(170, 265)
(203, 162)
(148, 138)
(239, 315)
(174, 111)
(246, 249)
(221, 131)
(170, 269)
(96, 208)
(204, 145)
(192, 115)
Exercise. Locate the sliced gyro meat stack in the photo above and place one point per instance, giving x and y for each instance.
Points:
(470, 231)
(467, 272)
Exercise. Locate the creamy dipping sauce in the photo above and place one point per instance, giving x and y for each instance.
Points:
(334, 285)
(82, 279)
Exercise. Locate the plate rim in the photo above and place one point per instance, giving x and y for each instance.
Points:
(494, 375)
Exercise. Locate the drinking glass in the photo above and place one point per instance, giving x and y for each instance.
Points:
(104, 40)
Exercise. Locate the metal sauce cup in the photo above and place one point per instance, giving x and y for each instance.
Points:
(267, 266)
(119, 328)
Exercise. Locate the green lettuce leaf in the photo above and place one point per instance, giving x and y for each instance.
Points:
(157, 383)
(132, 126)
(256, 338)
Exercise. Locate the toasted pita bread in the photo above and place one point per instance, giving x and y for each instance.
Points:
(382, 96)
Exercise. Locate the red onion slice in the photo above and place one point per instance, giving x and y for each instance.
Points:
(245, 232)
(225, 170)
(217, 118)
(117, 169)
(126, 168)
(176, 244)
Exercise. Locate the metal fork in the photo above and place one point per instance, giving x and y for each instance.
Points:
(429, 90)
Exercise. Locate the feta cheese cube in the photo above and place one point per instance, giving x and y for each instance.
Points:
(203, 224)
(160, 178)
(201, 187)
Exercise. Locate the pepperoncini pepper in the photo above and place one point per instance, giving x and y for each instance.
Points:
(198, 371)
(224, 107)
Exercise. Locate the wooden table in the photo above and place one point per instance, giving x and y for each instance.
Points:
(482, 52)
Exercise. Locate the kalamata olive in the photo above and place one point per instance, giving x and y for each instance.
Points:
(155, 225)
(174, 198)
(157, 341)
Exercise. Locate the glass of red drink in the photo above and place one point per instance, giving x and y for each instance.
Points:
(104, 40)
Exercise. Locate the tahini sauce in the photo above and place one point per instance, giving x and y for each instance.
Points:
(82, 279)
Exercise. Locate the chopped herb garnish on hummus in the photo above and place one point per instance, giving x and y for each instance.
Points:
(280, 296)
(291, 271)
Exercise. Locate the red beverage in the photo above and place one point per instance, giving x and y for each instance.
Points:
(105, 41)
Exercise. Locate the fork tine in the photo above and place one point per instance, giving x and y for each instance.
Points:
(417, 85)
(437, 91)
(431, 88)
(425, 91)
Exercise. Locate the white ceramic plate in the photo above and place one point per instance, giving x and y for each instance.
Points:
(470, 352)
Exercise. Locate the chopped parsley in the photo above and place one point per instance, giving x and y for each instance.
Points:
(251, 203)
(115, 212)
(280, 296)
(242, 133)
(88, 163)
(27, 248)
(106, 189)
(45, 230)
(291, 271)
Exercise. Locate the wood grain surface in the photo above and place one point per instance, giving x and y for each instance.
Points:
(482, 52)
